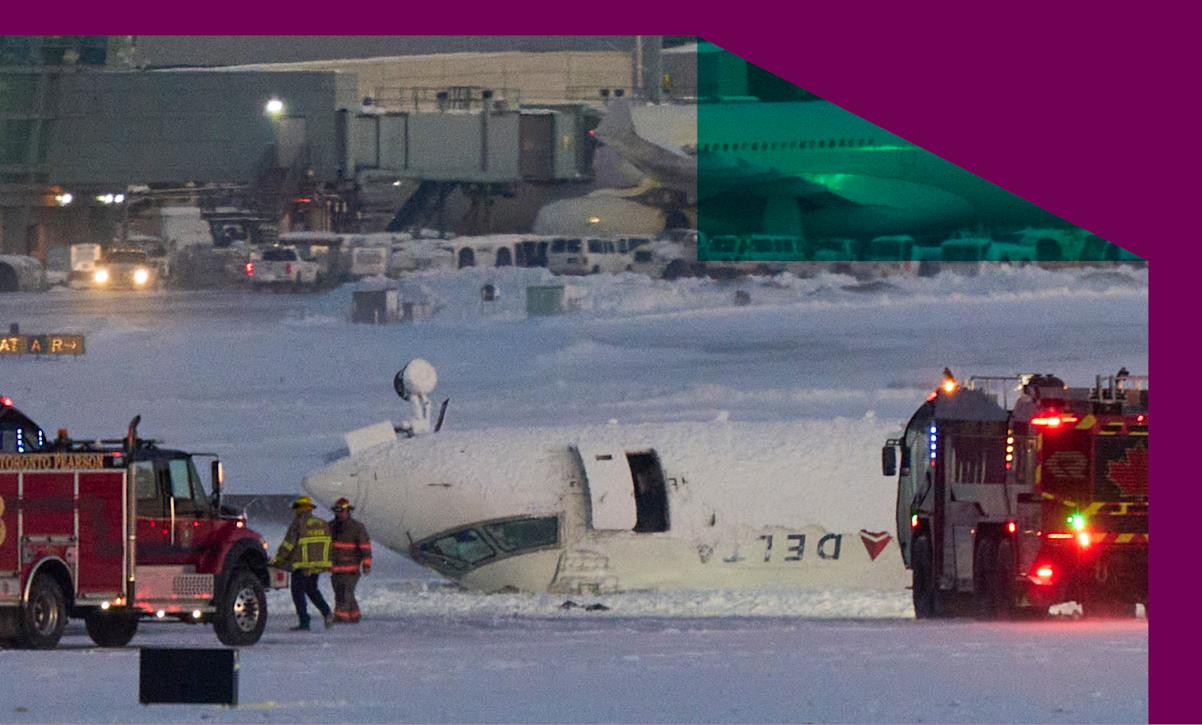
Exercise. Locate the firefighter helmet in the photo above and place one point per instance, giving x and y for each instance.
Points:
(343, 504)
(303, 502)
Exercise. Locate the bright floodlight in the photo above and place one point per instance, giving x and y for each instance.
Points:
(275, 107)
(141, 277)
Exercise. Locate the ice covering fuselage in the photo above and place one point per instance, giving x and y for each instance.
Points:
(616, 508)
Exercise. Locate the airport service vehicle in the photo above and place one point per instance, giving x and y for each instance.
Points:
(369, 261)
(126, 268)
(586, 256)
(117, 532)
(1005, 509)
(281, 268)
(619, 507)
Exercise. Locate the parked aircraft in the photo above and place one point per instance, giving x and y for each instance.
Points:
(802, 168)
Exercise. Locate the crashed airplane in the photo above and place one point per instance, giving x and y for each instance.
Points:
(611, 508)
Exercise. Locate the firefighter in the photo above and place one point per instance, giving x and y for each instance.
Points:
(351, 550)
(305, 551)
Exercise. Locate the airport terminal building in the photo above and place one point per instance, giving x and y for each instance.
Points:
(93, 144)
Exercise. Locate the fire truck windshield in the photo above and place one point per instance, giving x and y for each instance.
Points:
(19, 434)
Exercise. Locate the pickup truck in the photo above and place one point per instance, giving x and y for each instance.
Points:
(282, 268)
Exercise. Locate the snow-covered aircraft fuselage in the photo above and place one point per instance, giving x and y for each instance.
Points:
(619, 508)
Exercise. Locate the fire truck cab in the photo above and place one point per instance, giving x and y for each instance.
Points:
(1005, 510)
(117, 532)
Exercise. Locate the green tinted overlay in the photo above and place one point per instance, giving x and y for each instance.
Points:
(785, 176)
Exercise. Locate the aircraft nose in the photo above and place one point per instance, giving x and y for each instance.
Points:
(327, 485)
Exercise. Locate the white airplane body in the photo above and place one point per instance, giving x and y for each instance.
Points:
(805, 168)
(619, 508)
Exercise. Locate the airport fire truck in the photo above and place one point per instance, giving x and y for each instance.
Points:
(1004, 510)
(117, 532)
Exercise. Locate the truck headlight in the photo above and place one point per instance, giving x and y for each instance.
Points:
(101, 276)
(141, 277)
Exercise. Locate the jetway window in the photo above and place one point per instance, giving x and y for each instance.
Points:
(522, 534)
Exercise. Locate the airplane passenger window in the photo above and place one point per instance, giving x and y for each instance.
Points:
(521, 534)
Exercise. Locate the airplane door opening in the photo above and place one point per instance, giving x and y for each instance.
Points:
(650, 492)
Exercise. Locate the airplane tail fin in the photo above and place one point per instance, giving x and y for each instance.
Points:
(617, 121)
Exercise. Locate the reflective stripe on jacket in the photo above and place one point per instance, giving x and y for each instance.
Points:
(351, 546)
(306, 546)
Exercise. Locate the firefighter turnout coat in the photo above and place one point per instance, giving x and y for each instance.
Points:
(306, 546)
(351, 548)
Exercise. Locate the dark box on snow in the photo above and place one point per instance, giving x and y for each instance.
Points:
(188, 676)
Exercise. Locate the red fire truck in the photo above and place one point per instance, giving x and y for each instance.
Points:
(1004, 510)
(116, 532)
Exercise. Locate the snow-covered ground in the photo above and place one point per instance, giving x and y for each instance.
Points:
(272, 381)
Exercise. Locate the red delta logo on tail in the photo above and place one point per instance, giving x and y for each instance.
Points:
(1130, 473)
(875, 542)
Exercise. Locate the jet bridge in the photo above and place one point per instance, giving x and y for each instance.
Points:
(476, 146)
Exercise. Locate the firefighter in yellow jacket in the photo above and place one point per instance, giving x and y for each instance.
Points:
(352, 550)
(305, 551)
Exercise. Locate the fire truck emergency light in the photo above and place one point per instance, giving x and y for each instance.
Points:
(1053, 421)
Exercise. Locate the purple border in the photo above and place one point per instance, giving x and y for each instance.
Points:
(1083, 109)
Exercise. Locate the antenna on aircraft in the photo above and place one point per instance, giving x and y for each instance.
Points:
(414, 383)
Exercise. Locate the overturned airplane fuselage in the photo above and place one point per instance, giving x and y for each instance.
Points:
(619, 508)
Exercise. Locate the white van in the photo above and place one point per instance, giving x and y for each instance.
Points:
(369, 261)
(587, 256)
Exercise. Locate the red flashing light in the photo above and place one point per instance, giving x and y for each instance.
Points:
(250, 269)
(1053, 421)
(1140, 418)
(1083, 539)
(1011, 527)
(6, 402)
(1044, 574)
(934, 394)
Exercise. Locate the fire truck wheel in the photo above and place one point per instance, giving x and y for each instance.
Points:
(1001, 580)
(111, 629)
(44, 616)
(925, 594)
(982, 570)
(241, 611)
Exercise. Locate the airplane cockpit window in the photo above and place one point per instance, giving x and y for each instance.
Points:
(519, 534)
(454, 553)
(467, 546)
